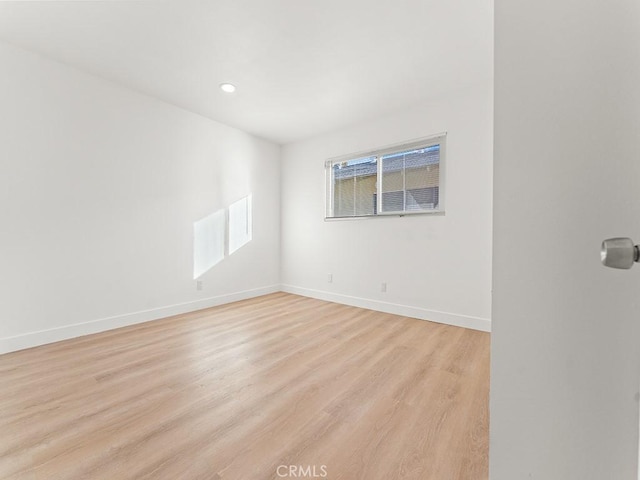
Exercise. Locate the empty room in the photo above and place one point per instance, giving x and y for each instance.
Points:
(284, 239)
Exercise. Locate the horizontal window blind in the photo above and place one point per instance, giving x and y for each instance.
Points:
(354, 186)
(410, 180)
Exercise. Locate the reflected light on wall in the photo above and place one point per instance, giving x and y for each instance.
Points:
(208, 242)
(240, 224)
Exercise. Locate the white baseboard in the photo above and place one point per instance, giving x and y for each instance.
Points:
(42, 337)
(475, 323)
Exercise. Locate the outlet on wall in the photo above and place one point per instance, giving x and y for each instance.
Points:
(383, 287)
(330, 277)
(199, 284)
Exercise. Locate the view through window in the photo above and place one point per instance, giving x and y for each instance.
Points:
(403, 179)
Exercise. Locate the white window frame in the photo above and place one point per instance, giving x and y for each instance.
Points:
(424, 142)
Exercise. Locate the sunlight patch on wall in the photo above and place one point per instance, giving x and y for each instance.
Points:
(208, 242)
(240, 224)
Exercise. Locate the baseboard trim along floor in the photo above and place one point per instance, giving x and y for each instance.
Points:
(43, 337)
(465, 321)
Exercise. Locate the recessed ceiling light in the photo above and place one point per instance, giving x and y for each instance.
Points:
(227, 87)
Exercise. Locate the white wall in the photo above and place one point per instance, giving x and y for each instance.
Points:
(99, 189)
(436, 267)
(566, 331)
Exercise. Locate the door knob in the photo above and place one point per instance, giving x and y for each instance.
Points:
(619, 253)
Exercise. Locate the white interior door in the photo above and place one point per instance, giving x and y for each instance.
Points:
(566, 330)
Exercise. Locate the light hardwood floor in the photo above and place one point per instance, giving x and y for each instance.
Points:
(235, 391)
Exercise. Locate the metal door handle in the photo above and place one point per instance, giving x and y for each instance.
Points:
(619, 253)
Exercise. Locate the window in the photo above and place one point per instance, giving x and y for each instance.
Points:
(396, 180)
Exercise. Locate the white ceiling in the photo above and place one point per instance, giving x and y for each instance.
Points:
(302, 67)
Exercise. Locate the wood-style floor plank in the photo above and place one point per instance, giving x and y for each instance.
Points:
(245, 390)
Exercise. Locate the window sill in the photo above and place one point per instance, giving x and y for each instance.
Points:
(382, 215)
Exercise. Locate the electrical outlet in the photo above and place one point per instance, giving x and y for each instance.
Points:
(330, 277)
(383, 287)
(199, 285)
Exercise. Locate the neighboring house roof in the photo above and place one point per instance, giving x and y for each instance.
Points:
(391, 163)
